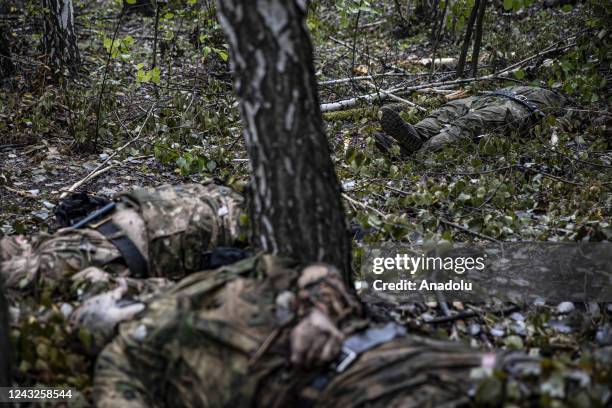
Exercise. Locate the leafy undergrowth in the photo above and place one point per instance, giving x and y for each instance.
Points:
(183, 125)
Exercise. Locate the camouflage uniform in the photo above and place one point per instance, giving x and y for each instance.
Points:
(171, 226)
(224, 338)
(506, 110)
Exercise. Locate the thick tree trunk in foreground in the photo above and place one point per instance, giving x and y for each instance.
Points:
(59, 39)
(296, 195)
(5, 346)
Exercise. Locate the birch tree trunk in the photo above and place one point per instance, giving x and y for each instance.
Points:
(295, 201)
(59, 40)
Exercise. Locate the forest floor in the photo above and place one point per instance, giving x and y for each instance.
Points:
(179, 123)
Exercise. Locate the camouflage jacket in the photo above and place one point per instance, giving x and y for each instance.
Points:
(172, 227)
(470, 117)
(218, 338)
(181, 223)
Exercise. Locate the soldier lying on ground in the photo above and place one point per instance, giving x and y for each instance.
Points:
(153, 232)
(513, 109)
(266, 331)
(105, 271)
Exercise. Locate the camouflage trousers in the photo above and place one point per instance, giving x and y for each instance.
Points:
(470, 117)
(172, 226)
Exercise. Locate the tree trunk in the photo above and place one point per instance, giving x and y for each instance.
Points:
(437, 38)
(478, 36)
(295, 200)
(6, 63)
(5, 346)
(59, 39)
(467, 39)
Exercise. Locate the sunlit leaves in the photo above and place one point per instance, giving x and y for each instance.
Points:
(146, 76)
(118, 46)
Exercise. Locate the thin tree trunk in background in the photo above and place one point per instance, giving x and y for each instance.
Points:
(478, 36)
(295, 201)
(59, 38)
(437, 40)
(5, 345)
(467, 39)
(434, 19)
(6, 63)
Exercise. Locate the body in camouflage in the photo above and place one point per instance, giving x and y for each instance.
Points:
(467, 118)
(172, 227)
(80, 281)
(226, 338)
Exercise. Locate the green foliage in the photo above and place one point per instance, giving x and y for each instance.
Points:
(347, 9)
(516, 5)
(119, 47)
(146, 76)
(578, 72)
(459, 10)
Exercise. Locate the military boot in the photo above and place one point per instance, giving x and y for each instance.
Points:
(400, 130)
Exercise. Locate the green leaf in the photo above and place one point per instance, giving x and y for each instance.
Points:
(520, 74)
(508, 4)
(130, 1)
(222, 54)
(567, 8)
(155, 74)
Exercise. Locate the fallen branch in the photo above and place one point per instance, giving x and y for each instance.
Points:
(84, 180)
(20, 192)
(362, 205)
(348, 103)
(467, 314)
(361, 78)
(101, 169)
(469, 231)
(397, 98)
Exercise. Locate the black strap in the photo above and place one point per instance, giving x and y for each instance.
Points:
(131, 255)
(514, 97)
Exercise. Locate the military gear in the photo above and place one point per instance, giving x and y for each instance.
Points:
(76, 207)
(106, 209)
(164, 231)
(393, 125)
(226, 338)
(216, 339)
(509, 109)
(229, 332)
